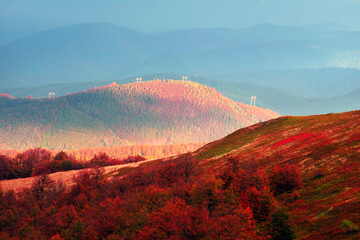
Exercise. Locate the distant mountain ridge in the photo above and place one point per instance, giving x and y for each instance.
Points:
(337, 90)
(96, 52)
(155, 112)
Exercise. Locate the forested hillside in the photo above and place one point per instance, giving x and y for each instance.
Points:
(155, 112)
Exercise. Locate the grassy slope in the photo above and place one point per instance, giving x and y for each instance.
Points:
(328, 143)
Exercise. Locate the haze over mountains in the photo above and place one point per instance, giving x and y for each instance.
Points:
(155, 112)
(108, 52)
(336, 86)
(87, 84)
(290, 68)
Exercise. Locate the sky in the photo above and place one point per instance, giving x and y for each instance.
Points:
(22, 17)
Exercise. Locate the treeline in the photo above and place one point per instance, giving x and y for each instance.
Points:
(170, 200)
(148, 151)
(37, 161)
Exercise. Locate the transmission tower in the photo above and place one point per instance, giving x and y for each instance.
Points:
(253, 101)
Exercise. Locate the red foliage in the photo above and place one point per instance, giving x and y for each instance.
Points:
(61, 156)
(133, 159)
(262, 203)
(284, 178)
(65, 216)
(297, 138)
(242, 176)
(206, 192)
(29, 159)
(355, 138)
(39, 161)
(100, 160)
(176, 221)
(102, 219)
(163, 201)
(239, 224)
(8, 168)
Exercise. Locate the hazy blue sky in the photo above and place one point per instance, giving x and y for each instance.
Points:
(20, 17)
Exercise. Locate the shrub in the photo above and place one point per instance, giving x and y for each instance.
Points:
(41, 168)
(40, 189)
(349, 226)
(61, 156)
(7, 168)
(29, 159)
(66, 165)
(295, 196)
(205, 192)
(185, 165)
(278, 227)
(100, 160)
(262, 203)
(318, 174)
(284, 178)
(133, 159)
(176, 221)
(239, 224)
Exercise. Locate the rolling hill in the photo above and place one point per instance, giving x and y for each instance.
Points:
(286, 103)
(155, 112)
(327, 90)
(326, 147)
(306, 83)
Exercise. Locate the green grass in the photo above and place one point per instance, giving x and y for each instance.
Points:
(323, 214)
(325, 190)
(246, 136)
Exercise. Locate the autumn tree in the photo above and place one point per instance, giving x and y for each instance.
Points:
(29, 159)
(206, 192)
(279, 227)
(40, 187)
(262, 203)
(176, 221)
(8, 169)
(284, 178)
(239, 224)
